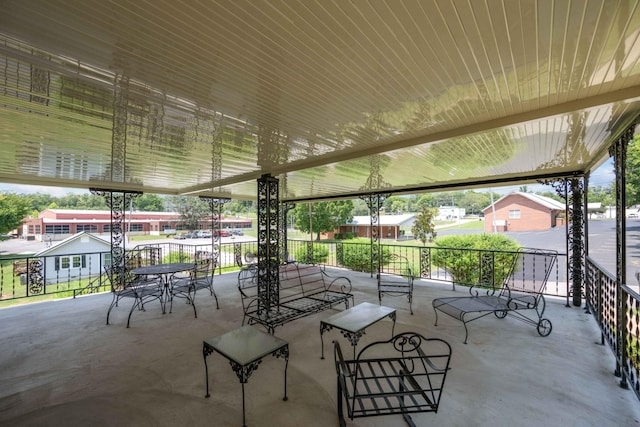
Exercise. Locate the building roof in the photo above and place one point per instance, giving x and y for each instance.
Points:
(388, 220)
(547, 202)
(98, 240)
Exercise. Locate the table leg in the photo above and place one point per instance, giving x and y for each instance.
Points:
(323, 327)
(165, 280)
(353, 339)
(284, 353)
(244, 424)
(206, 351)
(392, 315)
(286, 365)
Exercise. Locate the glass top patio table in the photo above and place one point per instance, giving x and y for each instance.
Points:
(353, 322)
(244, 348)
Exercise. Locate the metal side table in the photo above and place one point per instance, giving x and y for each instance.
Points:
(245, 348)
(354, 321)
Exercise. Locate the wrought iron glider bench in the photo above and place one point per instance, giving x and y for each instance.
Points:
(396, 279)
(304, 290)
(521, 294)
(403, 375)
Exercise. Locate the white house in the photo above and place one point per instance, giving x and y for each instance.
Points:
(78, 256)
(450, 212)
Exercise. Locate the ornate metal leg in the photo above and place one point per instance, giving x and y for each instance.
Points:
(284, 353)
(323, 328)
(392, 315)
(206, 351)
(353, 339)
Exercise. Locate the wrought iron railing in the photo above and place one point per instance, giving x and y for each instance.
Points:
(42, 276)
(616, 309)
(428, 262)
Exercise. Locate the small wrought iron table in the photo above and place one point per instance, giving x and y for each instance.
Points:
(164, 272)
(352, 322)
(245, 348)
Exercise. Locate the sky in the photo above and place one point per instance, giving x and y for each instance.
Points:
(602, 176)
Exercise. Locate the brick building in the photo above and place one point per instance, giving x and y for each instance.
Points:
(523, 212)
(58, 224)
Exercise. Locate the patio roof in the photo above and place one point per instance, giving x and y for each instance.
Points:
(61, 365)
(333, 98)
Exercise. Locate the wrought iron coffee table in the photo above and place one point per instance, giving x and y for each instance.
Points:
(245, 348)
(354, 321)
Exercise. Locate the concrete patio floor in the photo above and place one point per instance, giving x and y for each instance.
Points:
(60, 365)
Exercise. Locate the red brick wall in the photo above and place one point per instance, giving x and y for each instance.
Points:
(533, 216)
(386, 231)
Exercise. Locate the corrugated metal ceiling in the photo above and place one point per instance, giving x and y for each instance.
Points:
(332, 97)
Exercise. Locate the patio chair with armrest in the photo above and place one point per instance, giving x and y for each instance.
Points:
(127, 285)
(201, 277)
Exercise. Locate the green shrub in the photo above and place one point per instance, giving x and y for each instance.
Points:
(349, 235)
(358, 257)
(463, 258)
(177, 257)
(320, 254)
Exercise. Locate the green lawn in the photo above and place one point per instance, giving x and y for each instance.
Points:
(471, 225)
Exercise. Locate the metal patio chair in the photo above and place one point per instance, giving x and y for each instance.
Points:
(127, 285)
(201, 277)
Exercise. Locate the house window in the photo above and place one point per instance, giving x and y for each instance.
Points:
(56, 229)
(37, 228)
(89, 228)
(135, 227)
(514, 214)
(107, 260)
(106, 228)
(31, 229)
(80, 261)
(62, 263)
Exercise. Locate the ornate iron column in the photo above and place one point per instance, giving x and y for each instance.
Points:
(374, 200)
(374, 203)
(118, 201)
(572, 190)
(586, 240)
(618, 151)
(268, 244)
(216, 213)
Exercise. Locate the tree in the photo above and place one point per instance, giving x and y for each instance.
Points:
(394, 204)
(633, 172)
(360, 208)
(239, 207)
(423, 228)
(321, 217)
(149, 203)
(191, 209)
(474, 203)
(13, 210)
(425, 200)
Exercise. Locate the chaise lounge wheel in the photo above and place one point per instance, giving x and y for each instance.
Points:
(500, 314)
(544, 327)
